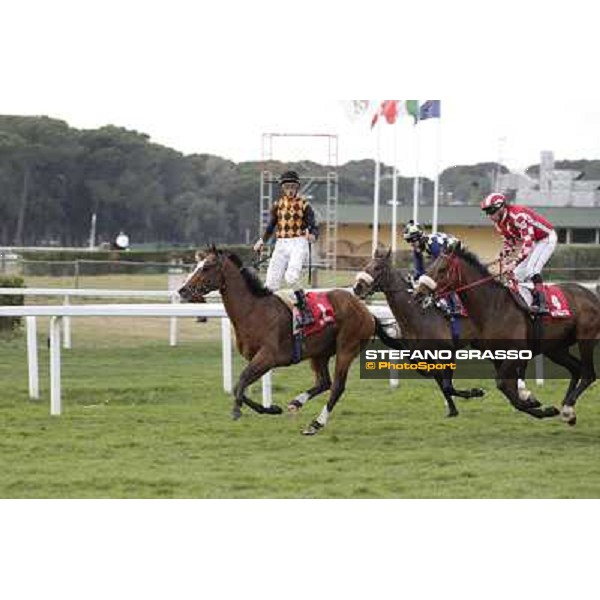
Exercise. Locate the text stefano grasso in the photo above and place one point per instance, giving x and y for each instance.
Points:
(413, 355)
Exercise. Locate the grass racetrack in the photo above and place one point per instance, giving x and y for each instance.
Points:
(142, 420)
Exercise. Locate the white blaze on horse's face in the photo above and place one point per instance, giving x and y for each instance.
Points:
(194, 272)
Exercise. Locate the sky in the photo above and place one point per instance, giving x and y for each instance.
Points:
(175, 76)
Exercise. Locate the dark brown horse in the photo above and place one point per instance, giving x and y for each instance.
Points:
(498, 317)
(263, 329)
(416, 324)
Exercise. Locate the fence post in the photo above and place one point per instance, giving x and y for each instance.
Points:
(67, 327)
(55, 392)
(32, 358)
(267, 390)
(175, 278)
(226, 349)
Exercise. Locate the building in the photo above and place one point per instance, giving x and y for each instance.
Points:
(355, 226)
(555, 187)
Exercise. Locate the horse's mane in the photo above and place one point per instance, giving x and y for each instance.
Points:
(472, 259)
(256, 286)
(386, 257)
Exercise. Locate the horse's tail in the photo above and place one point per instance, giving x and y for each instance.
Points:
(388, 340)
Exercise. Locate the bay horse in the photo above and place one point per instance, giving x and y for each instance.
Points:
(499, 317)
(263, 331)
(416, 323)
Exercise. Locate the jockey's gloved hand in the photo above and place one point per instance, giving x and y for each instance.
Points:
(259, 245)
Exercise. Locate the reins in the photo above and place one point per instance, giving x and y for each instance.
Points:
(455, 267)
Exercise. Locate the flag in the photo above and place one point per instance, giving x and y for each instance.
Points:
(431, 109)
(412, 108)
(355, 108)
(389, 109)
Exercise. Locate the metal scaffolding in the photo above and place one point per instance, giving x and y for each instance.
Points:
(330, 219)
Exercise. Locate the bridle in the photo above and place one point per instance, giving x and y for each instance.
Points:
(376, 284)
(455, 274)
(196, 290)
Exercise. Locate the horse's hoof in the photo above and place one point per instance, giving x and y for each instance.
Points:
(534, 402)
(294, 407)
(450, 415)
(236, 413)
(313, 428)
(568, 415)
(477, 393)
(273, 410)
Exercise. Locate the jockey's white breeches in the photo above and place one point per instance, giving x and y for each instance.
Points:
(538, 257)
(287, 261)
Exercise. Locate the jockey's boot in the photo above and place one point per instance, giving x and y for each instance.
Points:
(538, 305)
(306, 317)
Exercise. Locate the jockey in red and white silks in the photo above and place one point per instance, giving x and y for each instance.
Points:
(529, 241)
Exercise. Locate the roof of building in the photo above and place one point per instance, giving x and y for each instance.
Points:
(559, 216)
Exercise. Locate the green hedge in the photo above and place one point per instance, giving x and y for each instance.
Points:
(583, 257)
(63, 263)
(156, 256)
(9, 324)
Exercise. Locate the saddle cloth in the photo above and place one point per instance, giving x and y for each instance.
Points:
(319, 305)
(557, 303)
(322, 312)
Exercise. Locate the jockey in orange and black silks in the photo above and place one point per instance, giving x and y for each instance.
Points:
(293, 222)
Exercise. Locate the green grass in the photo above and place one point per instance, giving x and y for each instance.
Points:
(145, 420)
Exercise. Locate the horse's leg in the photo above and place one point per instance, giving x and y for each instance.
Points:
(588, 376)
(444, 381)
(343, 361)
(565, 359)
(524, 393)
(472, 393)
(320, 366)
(506, 382)
(257, 367)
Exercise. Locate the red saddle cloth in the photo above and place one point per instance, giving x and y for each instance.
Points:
(557, 303)
(322, 312)
(555, 299)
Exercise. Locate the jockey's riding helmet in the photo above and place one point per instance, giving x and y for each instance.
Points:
(289, 177)
(412, 232)
(493, 203)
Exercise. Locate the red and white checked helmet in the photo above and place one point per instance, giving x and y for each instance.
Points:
(493, 202)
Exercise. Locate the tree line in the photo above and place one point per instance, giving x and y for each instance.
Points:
(54, 177)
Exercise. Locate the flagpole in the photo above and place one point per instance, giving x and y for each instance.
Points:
(417, 168)
(436, 185)
(376, 191)
(395, 195)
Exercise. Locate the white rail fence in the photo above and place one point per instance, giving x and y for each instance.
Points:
(60, 326)
(58, 313)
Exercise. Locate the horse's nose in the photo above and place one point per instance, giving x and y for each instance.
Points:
(184, 293)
